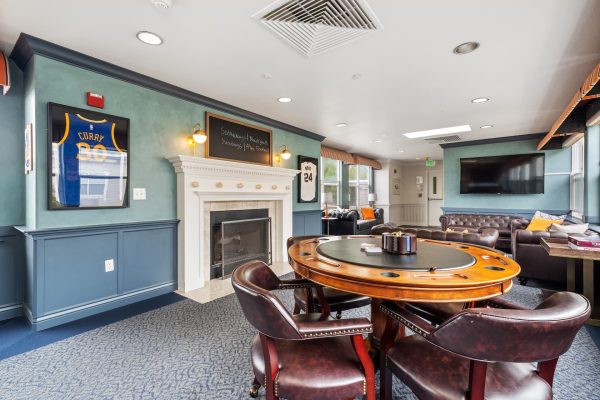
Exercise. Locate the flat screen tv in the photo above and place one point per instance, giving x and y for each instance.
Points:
(510, 174)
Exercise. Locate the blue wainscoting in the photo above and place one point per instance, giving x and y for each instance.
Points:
(66, 277)
(11, 273)
(306, 223)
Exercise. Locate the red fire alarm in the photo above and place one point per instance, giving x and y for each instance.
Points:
(95, 100)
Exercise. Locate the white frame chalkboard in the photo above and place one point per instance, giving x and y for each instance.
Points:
(209, 116)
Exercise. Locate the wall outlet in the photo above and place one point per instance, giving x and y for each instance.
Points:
(109, 265)
(139, 193)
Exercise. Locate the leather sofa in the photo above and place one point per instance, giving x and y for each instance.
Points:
(479, 222)
(349, 222)
(534, 260)
(487, 237)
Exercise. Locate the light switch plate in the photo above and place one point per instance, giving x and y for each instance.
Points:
(139, 193)
(109, 265)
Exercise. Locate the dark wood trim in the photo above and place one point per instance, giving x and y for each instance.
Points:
(532, 136)
(28, 45)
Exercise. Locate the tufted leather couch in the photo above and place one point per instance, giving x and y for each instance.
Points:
(487, 237)
(534, 260)
(349, 222)
(478, 222)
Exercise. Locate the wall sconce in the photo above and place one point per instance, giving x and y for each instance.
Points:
(198, 137)
(284, 153)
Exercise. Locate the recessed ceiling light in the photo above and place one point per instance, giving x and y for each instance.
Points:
(266, 75)
(356, 76)
(480, 100)
(486, 126)
(149, 38)
(341, 124)
(465, 48)
(377, 141)
(440, 131)
(400, 151)
(284, 99)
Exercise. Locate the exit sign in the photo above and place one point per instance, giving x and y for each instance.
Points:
(430, 163)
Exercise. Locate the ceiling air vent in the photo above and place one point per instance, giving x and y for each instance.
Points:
(443, 139)
(316, 26)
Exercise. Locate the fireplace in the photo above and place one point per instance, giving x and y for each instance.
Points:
(238, 236)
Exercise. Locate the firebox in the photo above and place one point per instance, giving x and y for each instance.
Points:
(238, 236)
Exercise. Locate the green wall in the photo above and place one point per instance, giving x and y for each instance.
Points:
(556, 186)
(159, 126)
(592, 174)
(12, 191)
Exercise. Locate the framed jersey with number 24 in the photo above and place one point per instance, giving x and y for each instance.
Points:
(88, 159)
(308, 180)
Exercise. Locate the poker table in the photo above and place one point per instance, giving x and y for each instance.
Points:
(439, 272)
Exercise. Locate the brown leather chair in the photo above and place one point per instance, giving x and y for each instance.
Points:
(305, 356)
(482, 352)
(334, 300)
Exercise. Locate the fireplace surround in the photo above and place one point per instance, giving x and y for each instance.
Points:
(205, 185)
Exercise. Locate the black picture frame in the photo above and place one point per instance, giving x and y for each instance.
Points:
(304, 179)
(57, 131)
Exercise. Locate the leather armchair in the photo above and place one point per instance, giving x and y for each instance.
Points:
(305, 356)
(486, 237)
(483, 352)
(534, 260)
(324, 299)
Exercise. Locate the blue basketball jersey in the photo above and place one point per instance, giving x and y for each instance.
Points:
(84, 140)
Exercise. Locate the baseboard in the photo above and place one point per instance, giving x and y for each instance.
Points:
(59, 318)
(9, 312)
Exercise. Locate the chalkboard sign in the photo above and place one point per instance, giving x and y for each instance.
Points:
(229, 139)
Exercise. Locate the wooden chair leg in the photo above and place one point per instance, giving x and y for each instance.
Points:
(271, 366)
(363, 355)
(296, 309)
(387, 342)
(385, 385)
(477, 372)
(546, 370)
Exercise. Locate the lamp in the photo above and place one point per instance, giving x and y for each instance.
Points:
(372, 198)
(198, 137)
(283, 153)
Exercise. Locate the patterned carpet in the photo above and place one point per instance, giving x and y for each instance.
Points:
(188, 350)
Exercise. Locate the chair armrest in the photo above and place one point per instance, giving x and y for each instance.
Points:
(297, 284)
(335, 327)
(518, 223)
(412, 321)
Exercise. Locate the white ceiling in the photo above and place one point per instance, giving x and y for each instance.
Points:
(534, 54)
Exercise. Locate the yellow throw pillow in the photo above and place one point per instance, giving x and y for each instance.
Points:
(367, 213)
(541, 224)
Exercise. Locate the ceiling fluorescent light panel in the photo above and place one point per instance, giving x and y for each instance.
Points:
(437, 132)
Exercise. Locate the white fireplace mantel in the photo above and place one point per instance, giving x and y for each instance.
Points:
(202, 180)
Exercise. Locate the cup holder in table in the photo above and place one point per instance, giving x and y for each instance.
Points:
(463, 247)
(305, 253)
(494, 268)
(390, 274)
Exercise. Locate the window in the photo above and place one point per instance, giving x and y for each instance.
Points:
(359, 184)
(577, 178)
(330, 182)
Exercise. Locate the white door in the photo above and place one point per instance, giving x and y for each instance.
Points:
(435, 197)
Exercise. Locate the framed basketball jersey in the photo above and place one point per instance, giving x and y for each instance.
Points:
(88, 159)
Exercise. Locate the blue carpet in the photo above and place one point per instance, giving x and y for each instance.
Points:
(16, 336)
(594, 332)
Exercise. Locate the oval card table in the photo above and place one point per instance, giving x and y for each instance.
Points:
(439, 272)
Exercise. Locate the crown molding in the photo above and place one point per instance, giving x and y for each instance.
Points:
(27, 46)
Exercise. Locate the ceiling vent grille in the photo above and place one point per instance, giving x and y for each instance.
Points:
(443, 139)
(316, 26)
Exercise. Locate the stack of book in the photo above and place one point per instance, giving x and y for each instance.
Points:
(584, 242)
